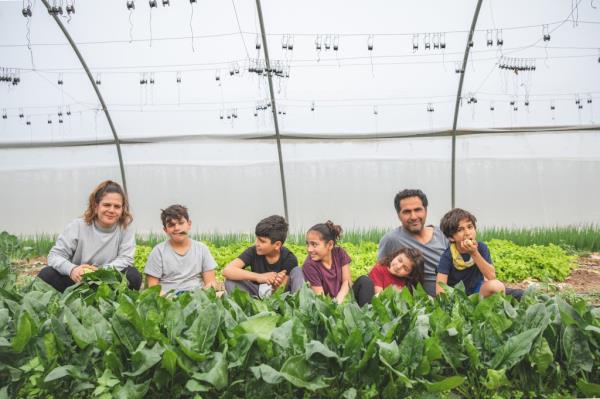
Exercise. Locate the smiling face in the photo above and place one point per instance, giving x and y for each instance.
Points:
(109, 210)
(412, 214)
(316, 247)
(178, 230)
(401, 266)
(465, 231)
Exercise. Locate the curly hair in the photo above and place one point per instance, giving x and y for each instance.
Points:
(450, 221)
(417, 274)
(107, 187)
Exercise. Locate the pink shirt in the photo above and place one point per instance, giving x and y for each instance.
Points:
(330, 279)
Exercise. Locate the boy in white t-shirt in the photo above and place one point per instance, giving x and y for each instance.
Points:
(180, 263)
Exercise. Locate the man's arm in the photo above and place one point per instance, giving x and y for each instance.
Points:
(235, 271)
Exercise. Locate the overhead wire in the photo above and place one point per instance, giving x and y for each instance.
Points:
(226, 34)
(240, 28)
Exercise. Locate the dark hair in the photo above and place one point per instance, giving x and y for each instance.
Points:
(274, 227)
(328, 231)
(450, 221)
(417, 274)
(107, 187)
(173, 213)
(407, 193)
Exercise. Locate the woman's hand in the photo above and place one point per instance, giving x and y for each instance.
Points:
(78, 271)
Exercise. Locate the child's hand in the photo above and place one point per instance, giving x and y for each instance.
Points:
(470, 246)
(267, 278)
(279, 279)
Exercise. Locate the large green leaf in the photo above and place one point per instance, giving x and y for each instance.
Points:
(169, 361)
(299, 372)
(318, 348)
(240, 346)
(515, 348)
(267, 373)
(444, 385)
(536, 316)
(4, 317)
(262, 325)
(411, 350)
(217, 374)
(83, 336)
(59, 372)
(131, 390)
(127, 333)
(577, 350)
(588, 389)
(403, 378)
(144, 358)
(568, 314)
(389, 352)
(541, 356)
(204, 329)
(23, 332)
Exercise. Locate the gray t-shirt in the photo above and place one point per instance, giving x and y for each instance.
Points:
(432, 251)
(83, 243)
(180, 272)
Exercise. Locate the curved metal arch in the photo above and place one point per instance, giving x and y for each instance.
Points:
(458, 97)
(89, 74)
(273, 108)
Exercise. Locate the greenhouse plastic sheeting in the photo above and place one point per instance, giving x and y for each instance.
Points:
(179, 86)
(540, 179)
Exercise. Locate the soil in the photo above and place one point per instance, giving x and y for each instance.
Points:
(584, 279)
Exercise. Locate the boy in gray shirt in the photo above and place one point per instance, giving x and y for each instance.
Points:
(178, 263)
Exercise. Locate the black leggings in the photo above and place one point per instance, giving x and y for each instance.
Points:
(363, 290)
(60, 282)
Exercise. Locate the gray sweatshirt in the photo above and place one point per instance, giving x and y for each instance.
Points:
(82, 243)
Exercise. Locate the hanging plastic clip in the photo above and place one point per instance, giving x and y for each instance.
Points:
(415, 43)
(499, 39)
(546, 33)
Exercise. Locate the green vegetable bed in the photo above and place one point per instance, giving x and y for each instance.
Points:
(514, 263)
(101, 340)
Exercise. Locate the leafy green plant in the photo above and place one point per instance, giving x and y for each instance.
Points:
(141, 256)
(100, 339)
(515, 263)
(11, 247)
(573, 238)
